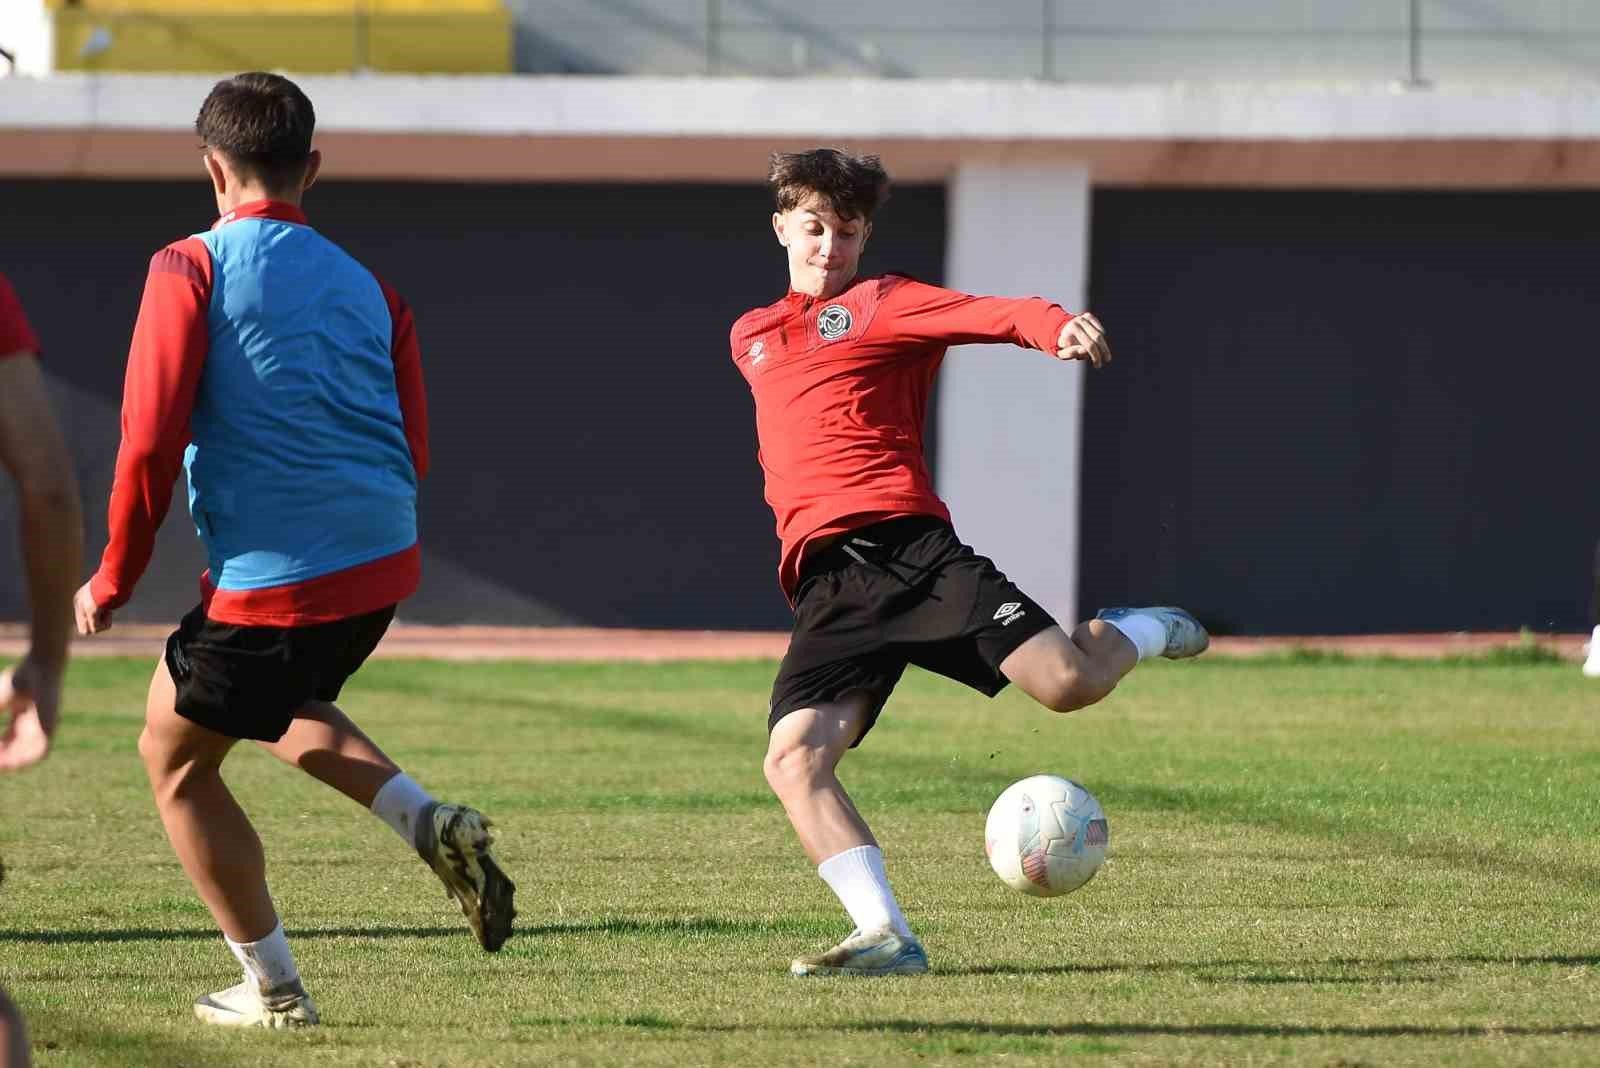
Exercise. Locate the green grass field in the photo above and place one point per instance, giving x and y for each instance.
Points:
(1313, 862)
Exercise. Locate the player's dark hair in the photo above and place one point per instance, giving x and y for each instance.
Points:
(262, 123)
(854, 186)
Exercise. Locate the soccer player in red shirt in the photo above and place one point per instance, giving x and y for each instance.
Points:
(841, 369)
(285, 379)
(32, 451)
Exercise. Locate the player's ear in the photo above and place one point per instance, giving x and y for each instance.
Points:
(215, 169)
(777, 228)
(866, 232)
(313, 168)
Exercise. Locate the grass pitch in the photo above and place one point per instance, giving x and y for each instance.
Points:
(1313, 862)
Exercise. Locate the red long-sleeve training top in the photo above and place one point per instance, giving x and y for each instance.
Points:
(841, 391)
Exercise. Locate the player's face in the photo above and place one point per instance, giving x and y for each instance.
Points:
(824, 250)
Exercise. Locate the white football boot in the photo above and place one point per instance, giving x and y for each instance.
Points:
(1591, 665)
(455, 841)
(1185, 636)
(880, 952)
(246, 1006)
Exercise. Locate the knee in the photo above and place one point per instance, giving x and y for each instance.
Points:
(152, 751)
(1069, 687)
(170, 766)
(794, 766)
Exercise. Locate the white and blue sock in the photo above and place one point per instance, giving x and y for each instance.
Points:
(1147, 633)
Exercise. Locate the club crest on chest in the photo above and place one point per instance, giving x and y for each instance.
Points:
(833, 322)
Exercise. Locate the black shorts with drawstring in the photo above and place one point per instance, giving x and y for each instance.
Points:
(903, 591)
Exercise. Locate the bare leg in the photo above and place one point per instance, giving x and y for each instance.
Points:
(215, 843)
(326, 744)
(1065, 673)
(13, 1036)
(802, 757)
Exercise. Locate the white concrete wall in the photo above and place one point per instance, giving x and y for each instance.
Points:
(1011, 112)
(1009, 419)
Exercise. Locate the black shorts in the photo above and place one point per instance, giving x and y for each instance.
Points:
(248, 682)
(904, 591)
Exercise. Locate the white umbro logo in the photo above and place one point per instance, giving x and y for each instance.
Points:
(1009, 610)
(758, 352)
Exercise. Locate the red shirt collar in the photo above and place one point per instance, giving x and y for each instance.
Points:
(263, 209)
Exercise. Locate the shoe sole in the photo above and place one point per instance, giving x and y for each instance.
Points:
(806, 971)
(802, 970)
(219, 1016)
(469, 865)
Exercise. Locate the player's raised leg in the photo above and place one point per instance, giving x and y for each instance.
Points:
(454, 840)
(801, 766)
(1066, 672)
(222, 856)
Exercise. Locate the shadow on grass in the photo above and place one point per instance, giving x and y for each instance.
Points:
(152, 934)
(674, 927)
(55, 1036)
(1279, 971)
(1220, 1030)
(979, 1029)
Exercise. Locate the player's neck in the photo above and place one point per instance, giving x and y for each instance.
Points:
(252, 194)
(819, 292)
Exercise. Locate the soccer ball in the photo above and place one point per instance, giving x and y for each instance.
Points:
(1046, 836)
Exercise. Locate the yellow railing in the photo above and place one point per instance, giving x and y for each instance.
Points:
(282, 7)
(312, 36)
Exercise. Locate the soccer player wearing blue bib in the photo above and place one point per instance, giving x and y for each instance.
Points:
(284, 378)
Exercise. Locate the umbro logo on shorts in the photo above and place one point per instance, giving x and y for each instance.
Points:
(1010, 612)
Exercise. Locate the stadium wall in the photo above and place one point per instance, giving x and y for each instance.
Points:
(1245, 478)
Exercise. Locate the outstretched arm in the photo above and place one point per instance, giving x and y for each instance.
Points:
(925, 314)
(170, 342)
(34, 453)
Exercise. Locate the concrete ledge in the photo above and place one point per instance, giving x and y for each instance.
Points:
(720, 130)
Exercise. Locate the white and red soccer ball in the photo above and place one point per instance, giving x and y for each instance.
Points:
(1046, 836)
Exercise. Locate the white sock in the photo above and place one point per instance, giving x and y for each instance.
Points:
(857, 876)
(399, 803)
(1147, 633)
(268, 962)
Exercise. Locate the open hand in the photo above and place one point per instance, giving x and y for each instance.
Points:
(92, 619)
(30, 703)
(1083, 338)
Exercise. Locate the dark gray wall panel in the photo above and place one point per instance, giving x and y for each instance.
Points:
(1345, 413)
(594, 448)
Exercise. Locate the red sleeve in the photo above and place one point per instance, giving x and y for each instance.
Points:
(16, 336)
(408, 377)
(921, 314)
(170, 342)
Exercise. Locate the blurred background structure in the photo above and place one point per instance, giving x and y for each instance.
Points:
(1343, 251)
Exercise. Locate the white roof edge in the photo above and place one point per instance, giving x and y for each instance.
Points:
(613, 107)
